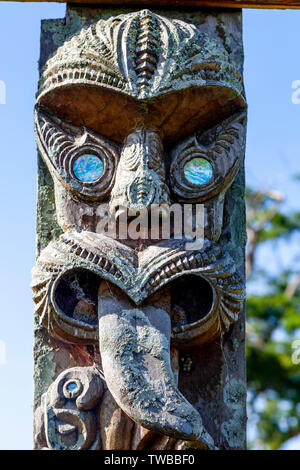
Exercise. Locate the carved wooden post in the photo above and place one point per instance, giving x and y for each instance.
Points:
(139, 343)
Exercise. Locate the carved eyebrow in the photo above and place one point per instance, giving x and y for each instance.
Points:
(61, 143)
(76, 134)
(222, 146)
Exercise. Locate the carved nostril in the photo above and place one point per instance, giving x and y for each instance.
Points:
(141, 192)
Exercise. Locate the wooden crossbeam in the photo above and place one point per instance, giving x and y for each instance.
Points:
(267, 4)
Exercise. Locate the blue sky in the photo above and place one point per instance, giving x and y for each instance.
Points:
(271, 40)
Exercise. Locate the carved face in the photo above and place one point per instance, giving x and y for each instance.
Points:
(135, 113)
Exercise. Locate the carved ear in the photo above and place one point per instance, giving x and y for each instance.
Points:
(69, 152)
(205, 165)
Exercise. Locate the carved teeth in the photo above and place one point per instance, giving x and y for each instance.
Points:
(101, 262)
(205, 258)
(163, 274)
(180, 265)
(173, 268)
(199, 259)
(156, 280)
(186, 263)
(192, 260)
(112, 270)
(168, 271)
(78, 251)
(96, 259)
(107, 265)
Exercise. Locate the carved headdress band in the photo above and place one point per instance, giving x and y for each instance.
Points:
(141, 58)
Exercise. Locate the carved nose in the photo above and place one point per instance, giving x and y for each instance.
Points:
(140, 179)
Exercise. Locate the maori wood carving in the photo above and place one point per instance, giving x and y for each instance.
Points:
(135, 112)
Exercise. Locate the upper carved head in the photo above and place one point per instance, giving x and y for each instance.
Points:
(134, 112)
(140, 110)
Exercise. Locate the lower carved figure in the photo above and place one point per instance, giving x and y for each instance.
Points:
(78, 412)
(136, 343)
(67, 417)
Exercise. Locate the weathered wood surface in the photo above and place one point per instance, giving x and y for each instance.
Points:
(211, 375)
(267, 4)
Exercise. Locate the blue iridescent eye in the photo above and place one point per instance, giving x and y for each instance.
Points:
(198, 171)
(71, 386)
(88, 168)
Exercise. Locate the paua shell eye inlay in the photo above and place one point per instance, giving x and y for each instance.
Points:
(72, 386)
(198, 171)
(88, 168)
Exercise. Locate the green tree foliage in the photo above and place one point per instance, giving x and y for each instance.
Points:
(273, 325)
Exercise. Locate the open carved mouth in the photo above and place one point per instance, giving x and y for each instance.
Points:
(68, 273)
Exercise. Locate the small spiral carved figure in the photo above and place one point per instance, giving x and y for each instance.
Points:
(66, 419)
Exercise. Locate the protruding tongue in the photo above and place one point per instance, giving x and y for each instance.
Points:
(135, 351)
